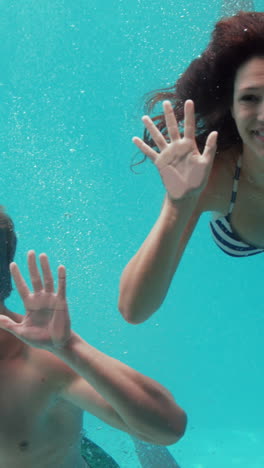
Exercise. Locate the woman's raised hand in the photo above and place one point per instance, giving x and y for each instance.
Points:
(183, 169)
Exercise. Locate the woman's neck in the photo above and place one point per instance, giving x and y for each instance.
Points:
(253, 168)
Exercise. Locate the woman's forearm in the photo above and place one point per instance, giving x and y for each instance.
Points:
(147, 277)
(144, 405)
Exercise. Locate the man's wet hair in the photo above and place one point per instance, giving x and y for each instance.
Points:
(8, 241)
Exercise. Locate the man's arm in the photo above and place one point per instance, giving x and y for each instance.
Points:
(97, 383)
(120, 395)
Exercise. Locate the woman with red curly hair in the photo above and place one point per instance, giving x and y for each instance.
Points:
(208, 147)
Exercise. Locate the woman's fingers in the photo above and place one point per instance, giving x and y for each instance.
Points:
(210, 146)
(171, 122)
(189, 120)
(147, 150)
(172, 131)
(154, 132)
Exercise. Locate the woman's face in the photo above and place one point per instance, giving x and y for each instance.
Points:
(248, 105)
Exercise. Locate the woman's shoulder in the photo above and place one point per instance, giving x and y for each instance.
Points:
(217, 193)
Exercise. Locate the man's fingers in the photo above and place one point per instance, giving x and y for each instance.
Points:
(34, 272)
(62, 282)
(47, 275)
(6, 323)
(19, 280)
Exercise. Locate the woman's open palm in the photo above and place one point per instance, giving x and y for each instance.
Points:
(183, 169)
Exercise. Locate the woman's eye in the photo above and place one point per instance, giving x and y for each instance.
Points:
(249, 98)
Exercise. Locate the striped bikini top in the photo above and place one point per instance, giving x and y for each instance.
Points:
(222, 231)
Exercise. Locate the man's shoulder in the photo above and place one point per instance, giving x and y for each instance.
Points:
(55, 372)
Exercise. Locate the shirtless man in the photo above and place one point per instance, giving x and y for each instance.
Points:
(49, 376)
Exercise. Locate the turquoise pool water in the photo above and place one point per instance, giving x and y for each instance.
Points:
(73, 74)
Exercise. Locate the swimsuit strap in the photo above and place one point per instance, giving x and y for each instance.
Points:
(235, 187)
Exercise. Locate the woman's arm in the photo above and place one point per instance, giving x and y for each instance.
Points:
(185, 173)
(146, 278)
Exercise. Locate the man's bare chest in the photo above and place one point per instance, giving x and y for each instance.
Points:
(25, 394)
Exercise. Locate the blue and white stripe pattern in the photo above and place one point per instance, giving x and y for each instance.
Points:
(223, 233)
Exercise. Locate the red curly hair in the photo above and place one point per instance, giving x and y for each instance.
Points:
(209, 80)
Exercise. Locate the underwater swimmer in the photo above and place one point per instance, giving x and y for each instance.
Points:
(50, 376)
(216, 165)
